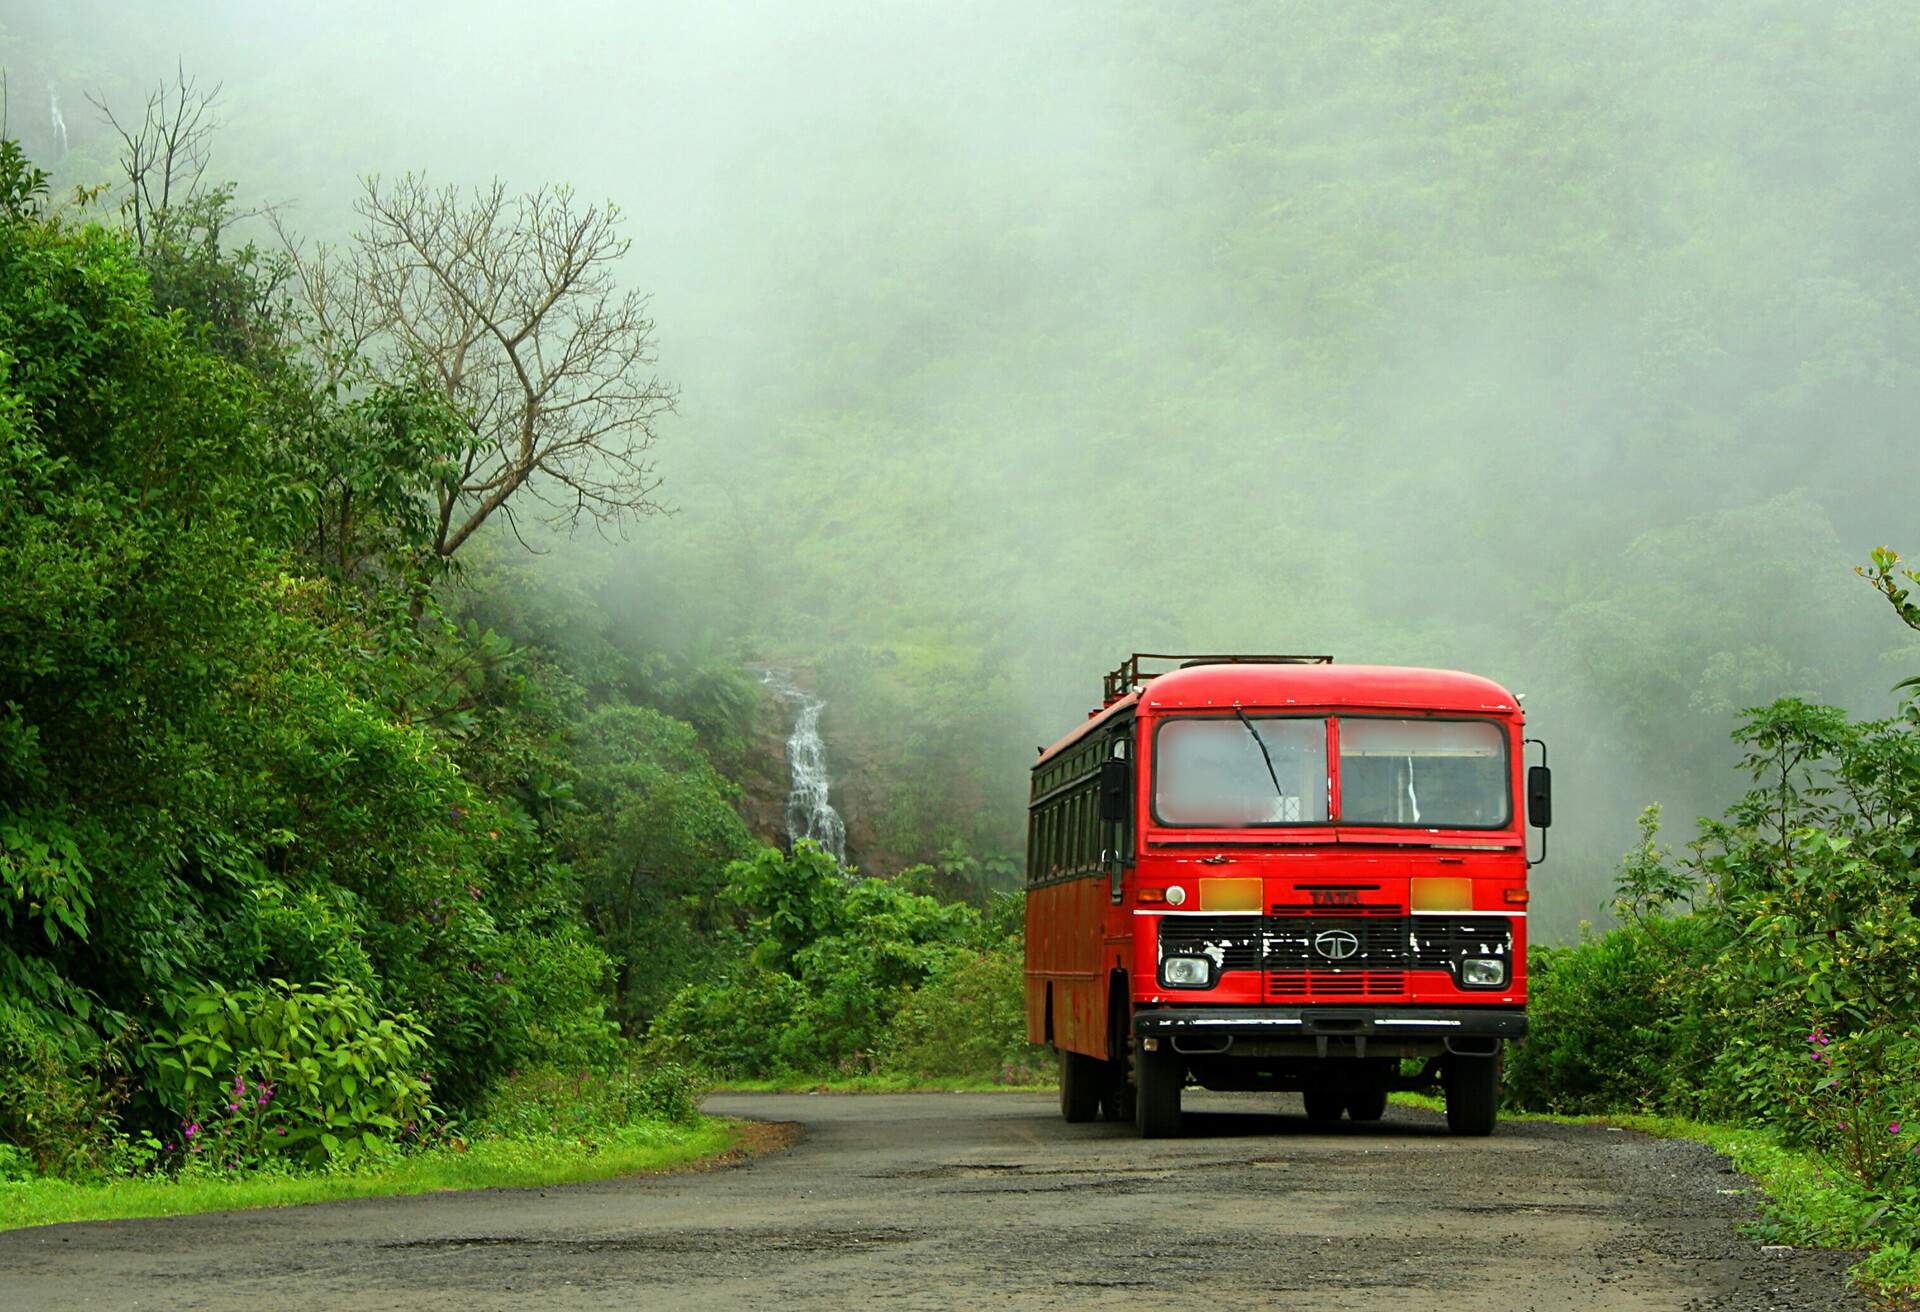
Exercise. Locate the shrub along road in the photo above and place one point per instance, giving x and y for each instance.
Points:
(939, 1200)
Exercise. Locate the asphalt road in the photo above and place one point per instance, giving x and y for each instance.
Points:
(964, 1200)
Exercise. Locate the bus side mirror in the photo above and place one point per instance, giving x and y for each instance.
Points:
(1114, 778)
(1539, 796)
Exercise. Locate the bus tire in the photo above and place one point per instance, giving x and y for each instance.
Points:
(1322, 1103)
(1082, 1082)
(1158, 1079)
(1368, 1103)
(1472, 1086)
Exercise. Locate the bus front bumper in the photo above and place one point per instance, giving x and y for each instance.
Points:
(1332, 1022)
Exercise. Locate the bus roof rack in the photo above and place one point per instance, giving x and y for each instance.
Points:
(1129, 674)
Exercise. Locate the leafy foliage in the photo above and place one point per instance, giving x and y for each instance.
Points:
(849, 977)
(246, 765)
(317, 1073)
(969, 1020)
(574, 1102)
(1786, 992)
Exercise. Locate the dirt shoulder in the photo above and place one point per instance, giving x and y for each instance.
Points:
(962, 1199)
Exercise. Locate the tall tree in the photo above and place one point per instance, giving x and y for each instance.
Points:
(509, 305)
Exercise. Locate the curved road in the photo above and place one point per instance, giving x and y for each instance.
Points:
(969, 1200)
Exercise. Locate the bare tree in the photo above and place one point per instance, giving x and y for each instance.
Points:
(164, 156)
(509, 304)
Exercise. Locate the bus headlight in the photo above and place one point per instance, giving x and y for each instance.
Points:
(1186, 972)
(1483, 972)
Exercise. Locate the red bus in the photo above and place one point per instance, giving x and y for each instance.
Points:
(1278, 873)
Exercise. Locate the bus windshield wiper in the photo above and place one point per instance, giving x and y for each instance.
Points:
(1265, 755)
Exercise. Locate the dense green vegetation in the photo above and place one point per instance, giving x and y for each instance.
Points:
(306, 865)
(856, 979)
(1770, 976)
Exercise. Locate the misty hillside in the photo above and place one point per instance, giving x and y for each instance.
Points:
(1572, 346)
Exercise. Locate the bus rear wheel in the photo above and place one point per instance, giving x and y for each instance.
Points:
(1083, 1084)
(1368, 1103)
(1472, 1086)
(1158, 1078)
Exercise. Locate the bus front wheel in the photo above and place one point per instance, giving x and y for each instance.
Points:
(1472, 1086)
(1083, 1083)
(1158, 1078)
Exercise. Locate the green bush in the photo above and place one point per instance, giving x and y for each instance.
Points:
(561, 979)
(59, 1101)
(317, 1074)
(1611, 1021)
(733, 1025)
(969, 1022)
(1786, 994)
(831, 964)
(549, 1102)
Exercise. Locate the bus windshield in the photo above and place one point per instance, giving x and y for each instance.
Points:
(1427, 774)
(1403, 773)
(1211, 772)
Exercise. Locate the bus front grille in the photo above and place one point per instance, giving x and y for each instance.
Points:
(1338, 948)
(1316, 984)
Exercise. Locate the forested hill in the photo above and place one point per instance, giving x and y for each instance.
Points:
(1574, 346)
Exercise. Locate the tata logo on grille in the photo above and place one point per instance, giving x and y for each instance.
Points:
(1336, 944)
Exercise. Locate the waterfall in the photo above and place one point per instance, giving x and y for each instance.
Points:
(59, 119)
(809, 813)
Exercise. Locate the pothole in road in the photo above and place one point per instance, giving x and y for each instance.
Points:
(1145, 1171)
(1538, 1209)
(677, 1241)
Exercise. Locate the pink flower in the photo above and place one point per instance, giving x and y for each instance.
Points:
(1894, 1128)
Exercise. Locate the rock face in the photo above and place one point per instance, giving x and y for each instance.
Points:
(763, 775)
(860, 782)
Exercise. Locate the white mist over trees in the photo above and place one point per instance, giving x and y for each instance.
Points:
(1576, 347)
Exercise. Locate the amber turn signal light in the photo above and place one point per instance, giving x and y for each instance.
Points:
(1151, 895)
(1516, 897)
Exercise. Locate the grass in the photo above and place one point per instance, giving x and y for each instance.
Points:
(880, 1084)
(1807, 1202)
(485, 1164)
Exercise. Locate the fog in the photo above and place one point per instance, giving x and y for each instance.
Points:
(1571, 345)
